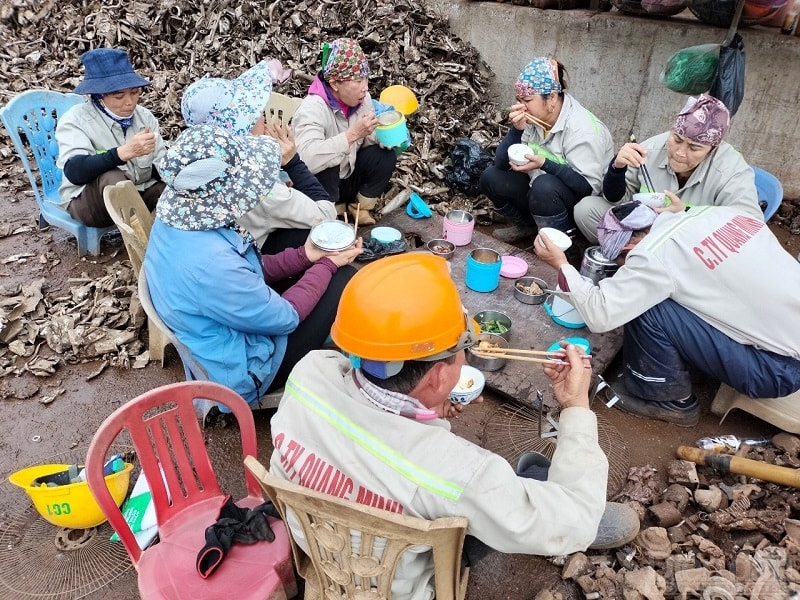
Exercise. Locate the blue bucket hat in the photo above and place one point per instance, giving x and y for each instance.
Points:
(108, 70)
(235, 104)
(213, 177)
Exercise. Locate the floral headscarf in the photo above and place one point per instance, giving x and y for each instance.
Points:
(234, 104)
(704, 120)
(343, 60)
(618, 224)
(539, 77)
(213, 177)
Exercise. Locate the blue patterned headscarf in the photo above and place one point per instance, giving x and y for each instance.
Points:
(213, 177)
(539, 77)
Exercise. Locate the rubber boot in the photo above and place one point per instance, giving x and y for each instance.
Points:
(618, 526)
(559, 221)
(619, 523)
(518, 230)
(362, 209)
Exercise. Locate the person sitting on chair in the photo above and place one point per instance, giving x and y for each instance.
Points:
(284, 216)
(108, 139)
(208, 282)
(370, 427)
(691, 160)
(704, 290)
(335, 128)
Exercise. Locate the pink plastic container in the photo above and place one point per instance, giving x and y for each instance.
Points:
(458, 227)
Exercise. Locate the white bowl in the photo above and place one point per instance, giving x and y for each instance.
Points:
(652, 199)
(517, 152)
(469, 387)
(558, 237)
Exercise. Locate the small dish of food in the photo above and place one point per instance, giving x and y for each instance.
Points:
(469, 387)
(530, 290)
(493, 321)
(441, 248)
(479, 358)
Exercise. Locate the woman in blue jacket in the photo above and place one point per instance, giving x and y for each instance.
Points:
(209, 283)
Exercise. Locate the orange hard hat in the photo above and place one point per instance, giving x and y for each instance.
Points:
(401, 97)
(403, 307)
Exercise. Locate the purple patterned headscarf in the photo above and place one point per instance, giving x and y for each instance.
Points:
(618, 224)
(704, 120)
(539, 77)
(343, 60)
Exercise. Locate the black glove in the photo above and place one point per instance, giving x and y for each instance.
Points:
(234, 525)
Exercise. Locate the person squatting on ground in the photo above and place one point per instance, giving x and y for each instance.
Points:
(570, 148)
(209, 283)
(108, 139)
(376, 422)
(286, 214)
(335, 131)
(691, 160)
(707, 289)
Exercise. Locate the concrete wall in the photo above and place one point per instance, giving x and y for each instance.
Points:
(614, 62)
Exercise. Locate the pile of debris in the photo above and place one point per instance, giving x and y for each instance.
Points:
(173, 43)
(99, 320)
(705, 534)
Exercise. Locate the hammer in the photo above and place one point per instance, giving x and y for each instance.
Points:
(743, 466)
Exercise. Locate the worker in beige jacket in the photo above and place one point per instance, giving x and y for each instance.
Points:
(335, 131)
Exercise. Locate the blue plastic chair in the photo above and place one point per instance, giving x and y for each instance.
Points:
(32, 116)
(770, 192)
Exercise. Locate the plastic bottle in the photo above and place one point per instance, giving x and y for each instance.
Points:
(790, 20)
(730, 443)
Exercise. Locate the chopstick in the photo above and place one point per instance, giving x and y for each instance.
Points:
(355, 224)
(500, 350)
(531, 119)
(515, 357)
(643, 169)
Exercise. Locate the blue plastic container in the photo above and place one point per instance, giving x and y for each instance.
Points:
(483, 270)
(417, 208)
(392, 131)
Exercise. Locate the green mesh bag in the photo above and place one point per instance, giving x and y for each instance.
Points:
(692, 70)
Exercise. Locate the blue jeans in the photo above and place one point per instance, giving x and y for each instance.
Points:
(664, 343)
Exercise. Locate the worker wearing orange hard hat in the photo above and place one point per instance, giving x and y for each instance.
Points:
(372, 417)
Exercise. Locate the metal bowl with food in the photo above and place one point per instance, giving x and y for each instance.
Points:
(530, 290)
(332, 236)
(441, 248)
(493, 321)
(483, 361)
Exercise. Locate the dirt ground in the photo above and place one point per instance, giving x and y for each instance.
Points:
(33, 432)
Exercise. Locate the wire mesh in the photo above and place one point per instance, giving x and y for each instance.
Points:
(513, 430)
(41, 560)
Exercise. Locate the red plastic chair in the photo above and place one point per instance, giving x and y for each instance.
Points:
(166, 434)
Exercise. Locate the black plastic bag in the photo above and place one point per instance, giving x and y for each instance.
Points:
(469, 160)
(729, 83)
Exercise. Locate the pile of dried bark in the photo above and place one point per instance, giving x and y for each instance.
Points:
(98, 320)
(175, 42)
(704, 535)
